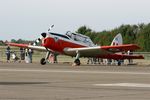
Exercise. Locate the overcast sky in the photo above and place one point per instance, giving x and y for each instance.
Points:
(26, 19)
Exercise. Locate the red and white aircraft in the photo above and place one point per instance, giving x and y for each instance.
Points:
(78, 45)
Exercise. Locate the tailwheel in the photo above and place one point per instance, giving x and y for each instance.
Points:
(43, 61)
(77, 62)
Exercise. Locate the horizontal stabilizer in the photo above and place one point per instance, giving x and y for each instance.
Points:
(121, 48)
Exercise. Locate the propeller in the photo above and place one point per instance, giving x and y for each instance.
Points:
(43, 35)
(37, 41)
(50, 28)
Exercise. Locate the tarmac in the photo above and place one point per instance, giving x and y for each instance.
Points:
(21, 81)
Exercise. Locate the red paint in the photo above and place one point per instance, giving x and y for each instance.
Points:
(122, 47)
(19, 45)
(59, 45)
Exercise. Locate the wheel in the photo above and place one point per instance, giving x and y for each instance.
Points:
(43, 61)
(77, 62)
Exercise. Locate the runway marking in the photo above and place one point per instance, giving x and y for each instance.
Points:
(138, 85)
(70, 71)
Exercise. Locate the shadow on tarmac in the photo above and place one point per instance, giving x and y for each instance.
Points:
(22, 83)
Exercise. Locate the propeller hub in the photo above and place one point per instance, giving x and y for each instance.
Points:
(44, 35)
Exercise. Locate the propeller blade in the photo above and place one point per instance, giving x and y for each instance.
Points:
(43, 35)
(50, 28)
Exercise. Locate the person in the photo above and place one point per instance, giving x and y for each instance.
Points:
(51, 58)
(28, 55)
(30, 52)
(130, 60)
(96, 60)
(22, 54)
(90, 60)
(8, 53)
(0, 56)
(55, 58)
(14, 57)
(109, 61)
(27, 59)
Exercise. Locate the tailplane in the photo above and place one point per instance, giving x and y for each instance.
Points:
(117, 40)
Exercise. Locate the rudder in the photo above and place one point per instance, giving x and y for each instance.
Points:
(117, 40)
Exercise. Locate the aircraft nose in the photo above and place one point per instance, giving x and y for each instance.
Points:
(43, 35)
(45, 42)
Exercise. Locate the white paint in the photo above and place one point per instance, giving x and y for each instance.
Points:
(70, 71)
(125, 85)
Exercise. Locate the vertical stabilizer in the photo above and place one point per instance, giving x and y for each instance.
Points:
(117, 40)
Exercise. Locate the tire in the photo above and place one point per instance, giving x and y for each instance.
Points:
(43, 61)
(77, 62)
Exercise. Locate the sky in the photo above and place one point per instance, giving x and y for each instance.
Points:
(27, 19)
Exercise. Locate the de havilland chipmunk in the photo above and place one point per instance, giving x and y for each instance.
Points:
(78, 45)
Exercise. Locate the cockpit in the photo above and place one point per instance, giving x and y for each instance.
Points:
(80, 37)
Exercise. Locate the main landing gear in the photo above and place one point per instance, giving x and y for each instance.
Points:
(44, 60)
(77, 61)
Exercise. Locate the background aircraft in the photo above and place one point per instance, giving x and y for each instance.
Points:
(78, 45)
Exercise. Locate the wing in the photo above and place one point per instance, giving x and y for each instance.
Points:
(39, 48)
(104, 51)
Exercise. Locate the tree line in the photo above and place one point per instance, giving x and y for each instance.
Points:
(132, 34)
(2, 43)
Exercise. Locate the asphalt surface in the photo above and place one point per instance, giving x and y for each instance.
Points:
(20, 81)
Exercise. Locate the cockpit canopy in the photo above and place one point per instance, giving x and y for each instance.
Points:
(80, 37)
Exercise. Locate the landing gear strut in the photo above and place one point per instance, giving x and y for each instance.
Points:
(77, 61)
(44, 60)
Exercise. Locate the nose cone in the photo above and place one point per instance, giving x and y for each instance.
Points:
(43, 35)
(44, 39)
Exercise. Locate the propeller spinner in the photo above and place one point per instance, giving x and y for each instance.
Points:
(43, 35)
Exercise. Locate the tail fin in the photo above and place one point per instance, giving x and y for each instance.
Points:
(117, 40)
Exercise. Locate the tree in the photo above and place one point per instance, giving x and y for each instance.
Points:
(2, 43)
(83, 30)
(13, 40)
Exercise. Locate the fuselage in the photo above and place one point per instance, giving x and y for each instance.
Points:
(58, 42)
